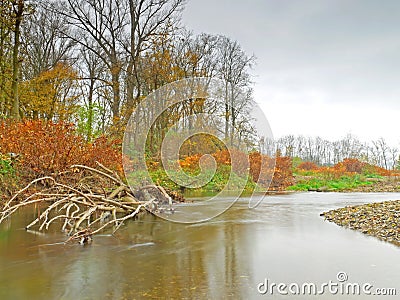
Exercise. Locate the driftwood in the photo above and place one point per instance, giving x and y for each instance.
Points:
(99, 200)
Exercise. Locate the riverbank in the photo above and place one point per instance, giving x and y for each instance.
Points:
(386, 184)
(381, 220)
(350, 183)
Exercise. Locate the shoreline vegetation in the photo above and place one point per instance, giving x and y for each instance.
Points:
(348, 184)
(349, 175)
(34, 149)
(69, 103)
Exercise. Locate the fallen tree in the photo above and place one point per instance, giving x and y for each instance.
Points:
(97, 201)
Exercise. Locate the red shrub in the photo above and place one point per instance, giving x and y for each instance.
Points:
(240, 163)
(308, 166)
(255, 165)
(48, 148)
(259, 167)
(371, 169)
(240, 159)
(353, 165)
(262, 169)
(283, 175)
(222, 157)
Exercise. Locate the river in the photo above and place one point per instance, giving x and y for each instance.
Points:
(284, 240)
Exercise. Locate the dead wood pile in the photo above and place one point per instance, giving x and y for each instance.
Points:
(97, 201)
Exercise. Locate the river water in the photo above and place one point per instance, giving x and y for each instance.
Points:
(284, 240)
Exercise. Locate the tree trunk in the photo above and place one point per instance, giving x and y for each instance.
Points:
(115, 74)
(227, 111)
(90, 110)
(15, 66)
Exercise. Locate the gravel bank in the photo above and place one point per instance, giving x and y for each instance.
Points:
(381, 220)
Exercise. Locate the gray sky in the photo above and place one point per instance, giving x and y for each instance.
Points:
(324, 68)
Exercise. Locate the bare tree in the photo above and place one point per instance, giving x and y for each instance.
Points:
(326, 152)
(287, 145)
(394, 152)
(233, 69)
(99, 26)
(147, 18)
(92, 71)
(44, 44)
(381, 152)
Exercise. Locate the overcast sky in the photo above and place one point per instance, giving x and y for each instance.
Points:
(324, 68)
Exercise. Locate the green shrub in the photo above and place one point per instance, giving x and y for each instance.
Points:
(6, 167)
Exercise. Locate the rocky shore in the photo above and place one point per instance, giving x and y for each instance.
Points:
(381, 220)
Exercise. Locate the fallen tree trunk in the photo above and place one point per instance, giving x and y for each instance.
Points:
(99, 200)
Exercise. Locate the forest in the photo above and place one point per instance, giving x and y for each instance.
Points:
(73, 72)
(91, 62)
(137, 160)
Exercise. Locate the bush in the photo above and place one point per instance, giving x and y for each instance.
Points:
(283, 175)
(373, 171)
(47, 148)
(308, 166)
(6, 167)
(259, 167)
(8, 181)
(352, 165)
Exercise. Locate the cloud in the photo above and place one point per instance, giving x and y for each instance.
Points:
(338, 56)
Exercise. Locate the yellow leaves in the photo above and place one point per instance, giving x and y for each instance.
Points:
(164, 63)
(192, 57)
(52, 92)
(159, 67)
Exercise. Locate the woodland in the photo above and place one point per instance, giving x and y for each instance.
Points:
(72, 73)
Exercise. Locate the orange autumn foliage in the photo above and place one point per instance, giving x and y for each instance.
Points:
(307, 165)
(47, 148)
(54, 92)
(347, 167)
(240, 159)
(368, 168)
(283, 174)
(351, 165)
(190, 162)
(259, 167)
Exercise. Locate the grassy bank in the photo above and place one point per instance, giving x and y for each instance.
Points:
(347, 183)
(222, 178)
(315, 183)
(350, 175)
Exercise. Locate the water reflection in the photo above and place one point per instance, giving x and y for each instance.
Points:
(284, 240)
